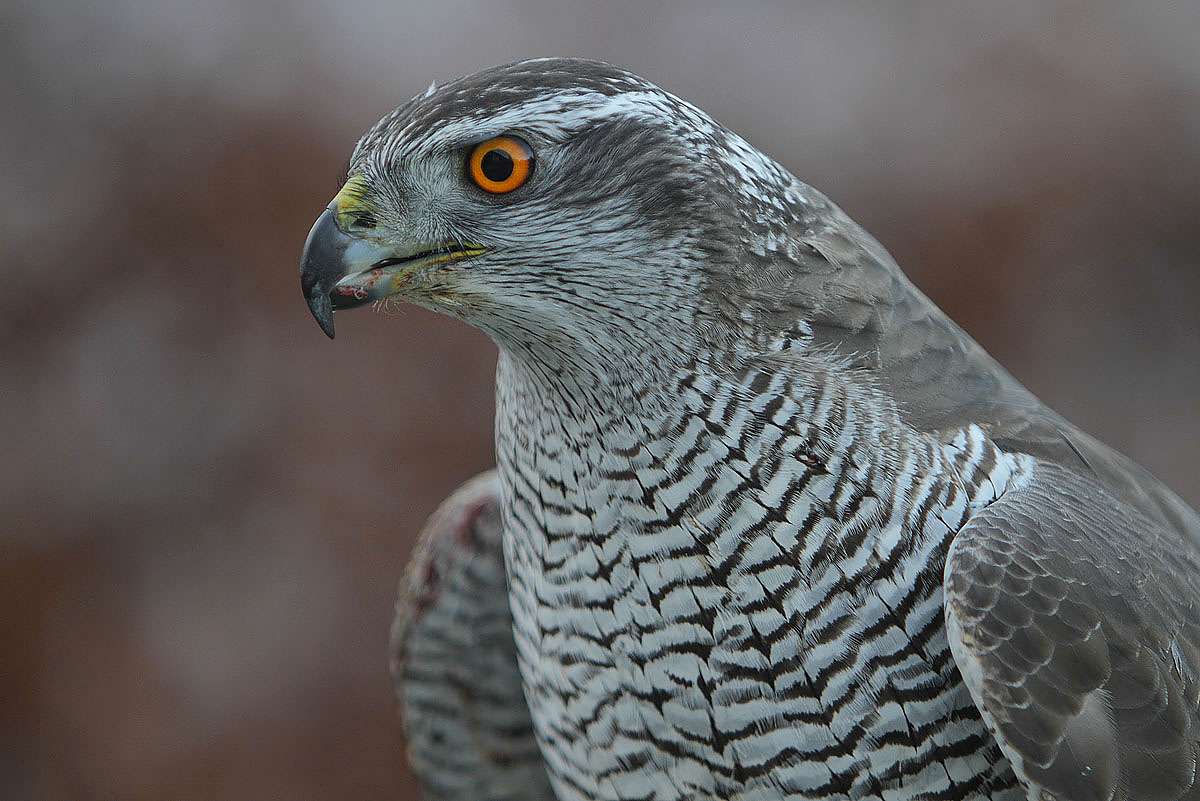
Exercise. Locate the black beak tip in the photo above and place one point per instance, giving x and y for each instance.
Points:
(322, 311)
(321, 267)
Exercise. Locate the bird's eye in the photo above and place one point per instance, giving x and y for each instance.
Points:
(500, 165)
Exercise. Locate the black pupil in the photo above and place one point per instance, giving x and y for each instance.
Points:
(496, 165)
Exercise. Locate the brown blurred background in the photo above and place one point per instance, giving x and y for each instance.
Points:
(204, 504)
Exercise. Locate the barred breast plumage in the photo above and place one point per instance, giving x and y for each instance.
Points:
(774, 527)
(769, 624)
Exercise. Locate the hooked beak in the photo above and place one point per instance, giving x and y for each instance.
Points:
(322, 265)
(340, 271)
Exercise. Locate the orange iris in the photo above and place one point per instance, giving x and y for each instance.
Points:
(500, 165)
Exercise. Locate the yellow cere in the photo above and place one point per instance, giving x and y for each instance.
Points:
(352, 201)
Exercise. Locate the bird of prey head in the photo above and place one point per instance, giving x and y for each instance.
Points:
(561, 203)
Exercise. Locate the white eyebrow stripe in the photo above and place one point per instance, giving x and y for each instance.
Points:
(555, 114)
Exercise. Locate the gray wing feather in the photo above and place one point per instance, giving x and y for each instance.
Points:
(1073, 619)
(454, 663)
(861, 307)
(1072, 601)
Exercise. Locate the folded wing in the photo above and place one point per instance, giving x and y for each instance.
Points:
(1075, 621)
(454, 663)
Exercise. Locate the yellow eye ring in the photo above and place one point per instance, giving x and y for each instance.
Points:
(500, 165)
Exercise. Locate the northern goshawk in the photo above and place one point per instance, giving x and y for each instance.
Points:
(772, 525)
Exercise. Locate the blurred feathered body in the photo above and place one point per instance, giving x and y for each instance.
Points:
(774, 526)
(468, 729)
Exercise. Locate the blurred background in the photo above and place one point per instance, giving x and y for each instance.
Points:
(205, 504)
